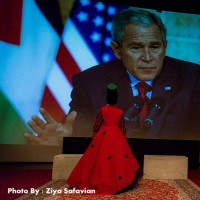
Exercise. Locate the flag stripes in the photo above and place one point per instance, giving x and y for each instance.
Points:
(60, 87)
(50, 103)
(66, 62)
(77, 46)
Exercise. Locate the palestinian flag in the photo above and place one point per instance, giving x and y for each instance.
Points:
(29, 41)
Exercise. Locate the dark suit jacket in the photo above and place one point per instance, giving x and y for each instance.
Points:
(178, 84)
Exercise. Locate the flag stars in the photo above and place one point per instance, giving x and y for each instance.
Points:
(82, 16)
(100, 6)
(108, 26)
(107, 41)
(84, 2)
(111, 10)
(95, 37)
(98, 21)
(106, 57)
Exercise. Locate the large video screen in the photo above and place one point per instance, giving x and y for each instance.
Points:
(42, 48)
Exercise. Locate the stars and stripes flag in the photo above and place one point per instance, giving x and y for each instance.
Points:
(85, 42)
(39, 57)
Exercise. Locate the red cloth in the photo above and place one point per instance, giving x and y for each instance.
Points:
(108, 165)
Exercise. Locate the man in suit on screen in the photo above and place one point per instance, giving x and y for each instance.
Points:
(139, 44)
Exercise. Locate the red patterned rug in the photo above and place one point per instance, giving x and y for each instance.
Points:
(145, 190)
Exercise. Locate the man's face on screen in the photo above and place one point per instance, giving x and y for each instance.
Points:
(142, 51)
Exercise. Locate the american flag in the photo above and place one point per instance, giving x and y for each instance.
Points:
(85, 42)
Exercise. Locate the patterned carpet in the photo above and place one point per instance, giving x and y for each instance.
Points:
(146, 190)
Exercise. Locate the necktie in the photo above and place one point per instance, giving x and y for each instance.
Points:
(143, 88)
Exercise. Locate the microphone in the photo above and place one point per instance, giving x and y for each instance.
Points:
(135, 109)
(157, 106)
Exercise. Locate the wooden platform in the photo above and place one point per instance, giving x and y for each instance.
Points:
(63, 165)
(165, 167)
(155, 166)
